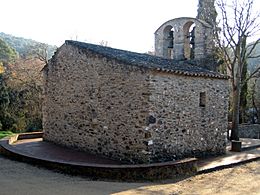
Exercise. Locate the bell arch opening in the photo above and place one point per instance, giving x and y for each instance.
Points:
(168, 41)
(189, 40)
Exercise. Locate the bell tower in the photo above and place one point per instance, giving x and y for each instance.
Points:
(188, 38)
(207, 12)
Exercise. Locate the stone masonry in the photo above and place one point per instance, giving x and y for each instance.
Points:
(133, 107)
(95, 104)
(174, 39)
(249, 131)
(183, 127)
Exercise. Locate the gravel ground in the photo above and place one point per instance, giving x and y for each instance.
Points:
(18, 178)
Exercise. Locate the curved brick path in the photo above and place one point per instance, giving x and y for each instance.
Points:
(30, 148)
(18, 178)
(44, 152)
(52, 152)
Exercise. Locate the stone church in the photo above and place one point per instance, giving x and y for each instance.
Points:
(135, 107)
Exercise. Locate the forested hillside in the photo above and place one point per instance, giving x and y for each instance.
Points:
(21, 61)
(254, 62)
(25, 47)
(7, 53)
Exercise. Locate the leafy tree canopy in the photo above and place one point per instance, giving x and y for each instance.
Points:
(7, 53)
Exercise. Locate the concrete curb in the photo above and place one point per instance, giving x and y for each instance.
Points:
(217, 168)
(250, 147)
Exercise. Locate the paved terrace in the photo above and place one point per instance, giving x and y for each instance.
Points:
(31, 148)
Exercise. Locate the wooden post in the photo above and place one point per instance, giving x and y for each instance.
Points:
(236, 146)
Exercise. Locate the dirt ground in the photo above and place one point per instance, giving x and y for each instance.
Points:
(18, 178)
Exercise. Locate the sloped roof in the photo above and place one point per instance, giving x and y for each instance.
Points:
(148, 61)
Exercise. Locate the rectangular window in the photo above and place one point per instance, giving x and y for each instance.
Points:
(202, 99)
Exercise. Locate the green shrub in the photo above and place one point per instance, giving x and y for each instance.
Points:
(5, 133)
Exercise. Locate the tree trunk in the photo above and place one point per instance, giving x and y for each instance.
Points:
(243, 95)
(235, 113)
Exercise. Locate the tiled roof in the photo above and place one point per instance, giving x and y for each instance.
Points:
(148, 61)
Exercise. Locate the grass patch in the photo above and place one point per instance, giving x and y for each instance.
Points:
(5, 133)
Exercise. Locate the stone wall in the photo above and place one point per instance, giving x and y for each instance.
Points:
(96, 104)
(136, 115)
(181, 126)
(249, 131)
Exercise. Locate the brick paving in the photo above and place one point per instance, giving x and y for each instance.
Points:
(46, 150)
(40, 149)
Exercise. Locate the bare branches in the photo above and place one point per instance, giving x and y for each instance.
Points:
(238, 24)
(251, 48)
(40, 51)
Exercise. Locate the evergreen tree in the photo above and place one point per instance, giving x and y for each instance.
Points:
(7, 53)
(6, 120)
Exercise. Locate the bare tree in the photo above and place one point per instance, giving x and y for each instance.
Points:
(40, 52)
(238, 24)
(104, 43)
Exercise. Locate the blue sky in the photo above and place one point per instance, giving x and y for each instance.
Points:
(124, 24)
